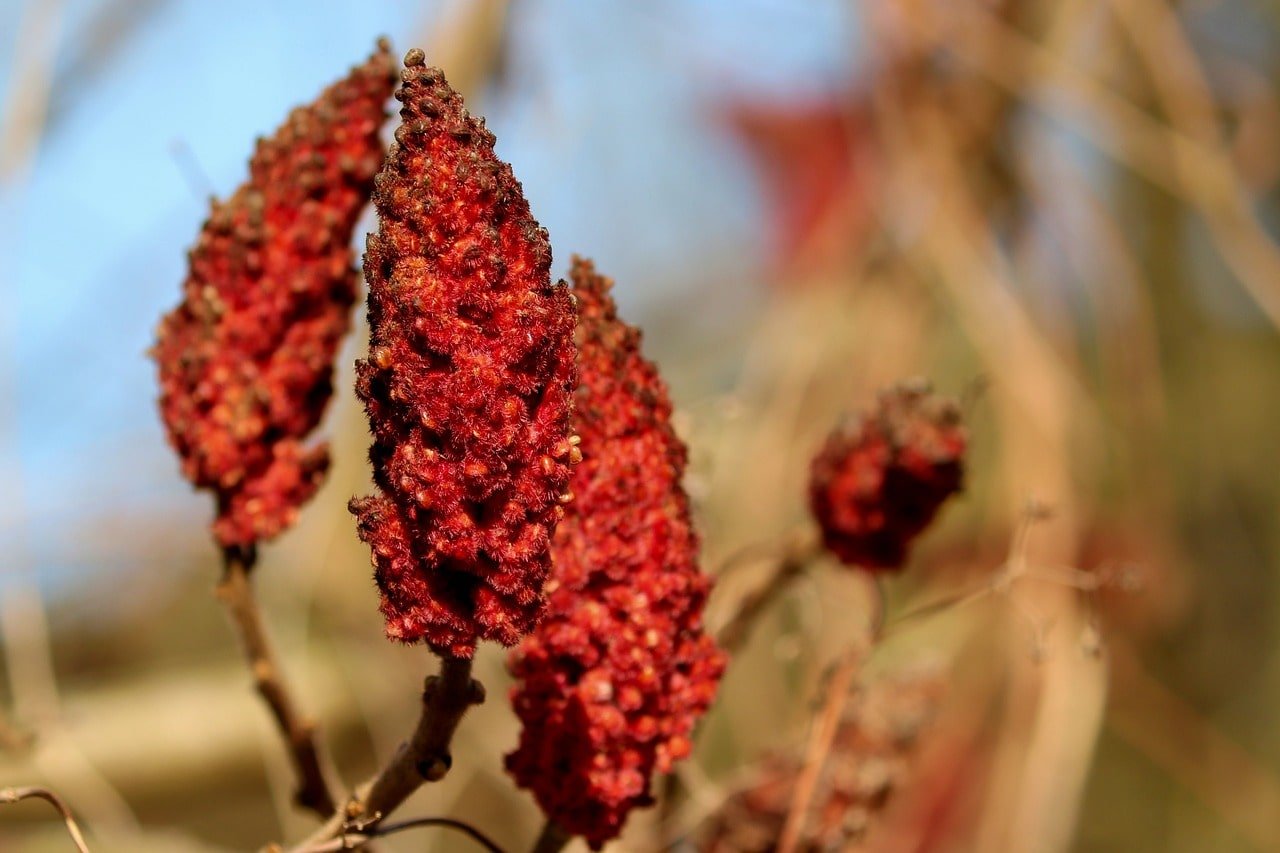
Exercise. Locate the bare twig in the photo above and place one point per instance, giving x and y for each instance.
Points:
(820, 740)
(425, 757)
(352, 840)
(828, 721)
(236, 593)
(14, 795)
(552, 839)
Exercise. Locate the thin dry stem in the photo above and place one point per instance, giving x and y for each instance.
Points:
(828, 721)
(14, 795)
(353, 840)
(820, 740)
(425, 757)
(236, 593)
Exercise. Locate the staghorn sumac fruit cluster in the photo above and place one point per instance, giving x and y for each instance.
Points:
(246, 359)
(879, 481)
(613, 679)
(527, 476)
(468, 384)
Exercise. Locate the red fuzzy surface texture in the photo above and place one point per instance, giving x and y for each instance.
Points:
(614, 678)
(877, 483)
(246, 359)
(468, 385)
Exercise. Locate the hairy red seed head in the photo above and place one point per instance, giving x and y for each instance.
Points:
(878, 482)
(468, 385)
(246, 359)
(614, 677)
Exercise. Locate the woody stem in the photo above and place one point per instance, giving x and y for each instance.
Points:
(425, 757)
(235, 591)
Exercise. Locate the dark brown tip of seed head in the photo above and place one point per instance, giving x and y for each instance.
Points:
(415, 56)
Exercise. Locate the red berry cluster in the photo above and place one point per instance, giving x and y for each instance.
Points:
(878, 482)
(615, 676)
(468, 385)
(246, 359)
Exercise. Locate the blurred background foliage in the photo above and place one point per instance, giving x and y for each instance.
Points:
(1063, 211)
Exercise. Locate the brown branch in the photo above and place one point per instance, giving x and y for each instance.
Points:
(828, 721)
(14, 795)
(820, 740)
(352, 840)
(552, 839)
(425, 757)
(236, 594)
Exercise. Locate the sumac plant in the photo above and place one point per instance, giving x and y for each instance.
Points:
(527, 479)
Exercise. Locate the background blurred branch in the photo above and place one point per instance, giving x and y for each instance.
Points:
(1186, 165)
(1183, 743)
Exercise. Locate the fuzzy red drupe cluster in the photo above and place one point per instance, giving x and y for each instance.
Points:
(468, 384)
(246, 359)
(613, 679)
(878, 482)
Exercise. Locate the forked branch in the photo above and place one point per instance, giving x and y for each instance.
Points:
(425, 757)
